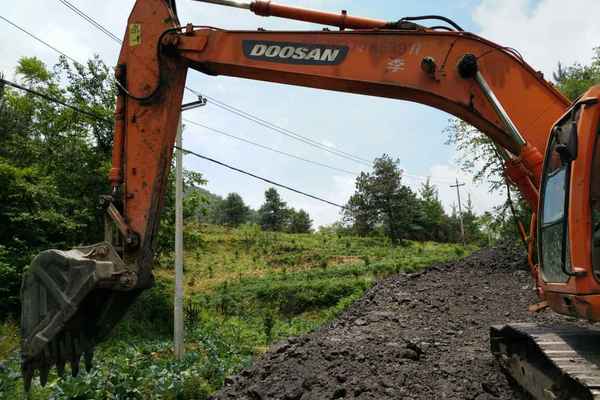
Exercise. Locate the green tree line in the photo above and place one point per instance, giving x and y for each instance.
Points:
(273, 215)
(383, 205)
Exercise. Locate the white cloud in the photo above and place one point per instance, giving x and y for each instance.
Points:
(544, 31)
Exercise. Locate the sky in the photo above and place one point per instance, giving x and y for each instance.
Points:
(544, 31)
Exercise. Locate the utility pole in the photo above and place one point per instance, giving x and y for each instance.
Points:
(178, 327)
(460, 216)
(178, 318)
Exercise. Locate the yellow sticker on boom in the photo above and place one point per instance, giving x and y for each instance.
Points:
(135, 34)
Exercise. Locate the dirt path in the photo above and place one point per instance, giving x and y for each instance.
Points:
(423, 337)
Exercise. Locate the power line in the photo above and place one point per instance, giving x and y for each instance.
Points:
(270, 148)
(289, 133)
(261, 178)
(283, 131)
(226, 106)
(55, 100)
(91, 20)
(39, 39)
(237, 111)
(100, 118)
(110, 122)
(95, 116)
(214, 101)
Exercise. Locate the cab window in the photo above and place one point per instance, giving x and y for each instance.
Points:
(554, 251)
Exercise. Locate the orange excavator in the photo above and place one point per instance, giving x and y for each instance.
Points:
(72, 299)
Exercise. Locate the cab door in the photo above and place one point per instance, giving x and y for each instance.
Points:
(553, 231)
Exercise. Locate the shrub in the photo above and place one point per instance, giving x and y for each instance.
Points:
(195, 388)
(151, 314)
(268, 323)
(10, 282)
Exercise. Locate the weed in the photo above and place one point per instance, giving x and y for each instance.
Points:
(268, 323)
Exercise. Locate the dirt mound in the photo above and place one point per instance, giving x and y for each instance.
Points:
(419, 336)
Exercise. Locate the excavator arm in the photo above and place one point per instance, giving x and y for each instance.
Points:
(71, 300)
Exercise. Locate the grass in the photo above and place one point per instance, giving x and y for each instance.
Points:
(244, 290)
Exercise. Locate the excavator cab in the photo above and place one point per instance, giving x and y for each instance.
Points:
(554, 199)
(568, 220)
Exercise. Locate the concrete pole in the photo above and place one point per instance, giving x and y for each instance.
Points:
(178, 319)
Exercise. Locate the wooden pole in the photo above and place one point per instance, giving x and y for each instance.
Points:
(460, 216)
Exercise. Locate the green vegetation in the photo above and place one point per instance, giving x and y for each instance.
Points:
(383, 204)
(233, 211)
(575, 79)
(245, 288)
(53, 166)
(274, 213)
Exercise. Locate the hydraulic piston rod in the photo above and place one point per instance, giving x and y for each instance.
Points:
(468, 68)
(511, 128)
(268, 9)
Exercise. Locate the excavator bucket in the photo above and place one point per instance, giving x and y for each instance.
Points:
(71, 301)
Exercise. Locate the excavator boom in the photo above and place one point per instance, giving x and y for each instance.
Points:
(71, 300)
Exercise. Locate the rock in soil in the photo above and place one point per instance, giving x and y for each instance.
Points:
(421, 336)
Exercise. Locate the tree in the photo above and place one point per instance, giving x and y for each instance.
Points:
(233, 211)
(193, 199)
(53, 164)
(434, 217)
(382, 200)
(300, 222)
(574, 80)
(360, 213)
(273, 214)
(473, 232)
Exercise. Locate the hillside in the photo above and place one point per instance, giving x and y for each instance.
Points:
(245, 289)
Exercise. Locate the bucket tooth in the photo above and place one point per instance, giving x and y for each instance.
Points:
(88, 357)
(60, 367)
(28, 371)
(75, 366)
(44, 372)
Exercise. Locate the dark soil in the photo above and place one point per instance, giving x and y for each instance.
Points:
(419, 336)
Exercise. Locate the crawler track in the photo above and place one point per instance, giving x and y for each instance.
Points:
(550, 362)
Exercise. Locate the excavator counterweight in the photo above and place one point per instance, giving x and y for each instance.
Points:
(72, 299)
